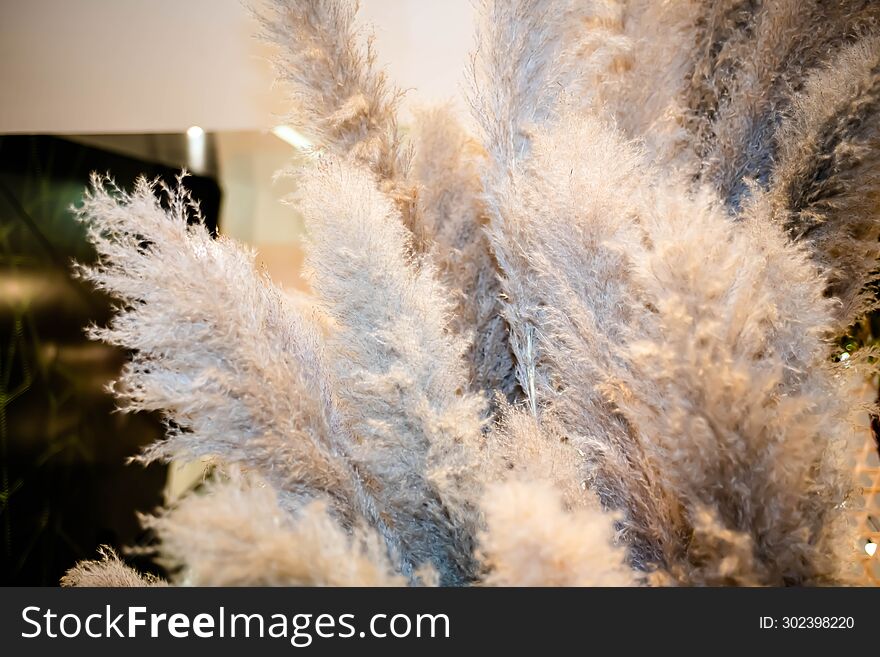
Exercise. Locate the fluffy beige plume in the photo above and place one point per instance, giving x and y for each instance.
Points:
(747, 62)
(732, 397)
(217, 348)
(107, 572)
(398, 371)
(542, 527)
(741, 133)
(813, 64)
(676, 355)
(531, 540)
(446, 168)
(575, 204)
(237, 534)
(339, 96)
(722, 29)
(519, 448)
(642, 83)
(825, 188)
(523, 58)
(446, 165)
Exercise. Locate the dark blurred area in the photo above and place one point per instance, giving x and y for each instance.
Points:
(65, 487)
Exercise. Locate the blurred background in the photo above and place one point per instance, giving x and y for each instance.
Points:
(136, 87)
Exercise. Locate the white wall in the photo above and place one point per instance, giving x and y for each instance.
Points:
(105, 66)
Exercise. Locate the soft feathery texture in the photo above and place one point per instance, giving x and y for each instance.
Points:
(522, 58)
(739, 145)
(520, 448)
(531, 540)
(339, 96)
(825, 188)
(236, 533)
(588, 345)
(218, 349)
(781, 100)
(646, 295)
(107, 572)
(751, 55)
(398, 370)
(573, 219)
(709, 78)
(576, 227)
(764, 424)
(640, 54)
(446, 167)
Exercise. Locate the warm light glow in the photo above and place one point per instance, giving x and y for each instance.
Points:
(871, 548)
(196, 146)
(292, 137)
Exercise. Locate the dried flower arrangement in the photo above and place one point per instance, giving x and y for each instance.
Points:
(591, 344)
